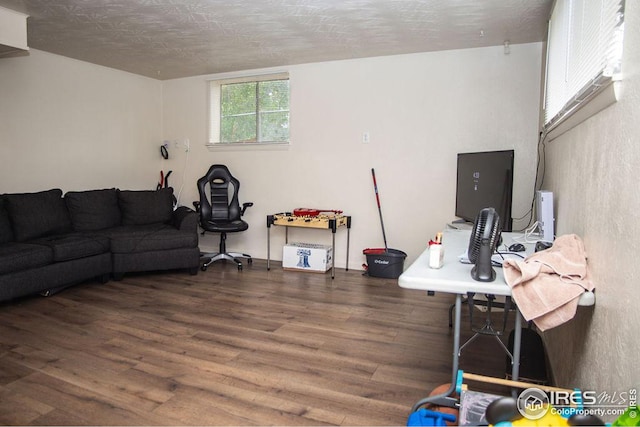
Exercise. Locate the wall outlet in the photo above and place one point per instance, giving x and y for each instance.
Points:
(365, 137)
(184, 144)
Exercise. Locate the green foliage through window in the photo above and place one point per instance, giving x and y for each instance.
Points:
(254, 111)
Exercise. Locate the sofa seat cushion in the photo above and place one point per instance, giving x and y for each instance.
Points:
(93, 209)
(70, 246)
(39, 214)
(23, 256)
(151, 237)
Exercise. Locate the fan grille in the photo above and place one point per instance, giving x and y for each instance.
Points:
(486, 227)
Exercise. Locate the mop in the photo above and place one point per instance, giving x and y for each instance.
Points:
(383, 262)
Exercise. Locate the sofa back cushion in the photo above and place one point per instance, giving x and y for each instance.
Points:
(6, 234)
(93, 209)
(146, 206)
(37, 214)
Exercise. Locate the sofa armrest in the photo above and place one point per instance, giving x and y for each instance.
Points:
(185, 219)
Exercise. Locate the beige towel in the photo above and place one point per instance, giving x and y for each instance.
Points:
(546, 286)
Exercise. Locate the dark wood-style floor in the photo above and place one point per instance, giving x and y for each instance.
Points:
(228, 348)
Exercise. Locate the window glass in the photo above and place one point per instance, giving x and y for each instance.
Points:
(249, 110)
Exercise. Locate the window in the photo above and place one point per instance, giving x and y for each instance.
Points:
(246, 111)
(584, 54)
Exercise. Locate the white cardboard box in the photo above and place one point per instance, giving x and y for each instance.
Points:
(307, 257)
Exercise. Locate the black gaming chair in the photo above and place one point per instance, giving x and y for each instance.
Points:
(220, 212)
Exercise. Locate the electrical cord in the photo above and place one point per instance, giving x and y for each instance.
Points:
(502, 255)
(184, 173)
(529, 234)
(540, 173)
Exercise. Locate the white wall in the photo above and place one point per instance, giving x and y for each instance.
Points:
(420, 111)
(74, 125)
(593, 172)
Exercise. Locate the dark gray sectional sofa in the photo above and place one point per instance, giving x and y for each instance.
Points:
(48, 242)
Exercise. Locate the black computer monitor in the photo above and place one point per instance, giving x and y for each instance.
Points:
(485, 179)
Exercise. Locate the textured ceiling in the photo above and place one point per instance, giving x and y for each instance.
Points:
(167, 39)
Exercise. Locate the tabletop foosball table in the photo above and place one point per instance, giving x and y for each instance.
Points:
(310, 218)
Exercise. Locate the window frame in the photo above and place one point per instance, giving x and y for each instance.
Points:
(214, 111)
(581, 70)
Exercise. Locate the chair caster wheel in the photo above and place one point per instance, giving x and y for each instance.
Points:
(203, 268)
(249, 261)
(239, 267)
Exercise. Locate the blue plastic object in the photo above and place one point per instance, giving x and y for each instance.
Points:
(459, 381)
(425, 417)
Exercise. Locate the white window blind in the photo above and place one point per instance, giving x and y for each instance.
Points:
(584, 54)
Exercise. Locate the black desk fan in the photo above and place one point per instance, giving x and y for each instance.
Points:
(482, 243)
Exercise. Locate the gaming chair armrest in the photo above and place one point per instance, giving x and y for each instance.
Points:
(245, 206)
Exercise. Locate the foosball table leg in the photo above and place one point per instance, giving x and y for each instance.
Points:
(333, 251)
(348, 232)
(269, 222)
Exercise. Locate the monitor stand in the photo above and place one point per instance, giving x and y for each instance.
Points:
(460, 224)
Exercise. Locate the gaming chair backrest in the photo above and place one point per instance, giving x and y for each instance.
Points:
(218, 207)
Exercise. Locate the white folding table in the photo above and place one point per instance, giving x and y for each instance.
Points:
(455, 278)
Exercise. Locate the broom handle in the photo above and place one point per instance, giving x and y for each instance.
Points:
(375, 187)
